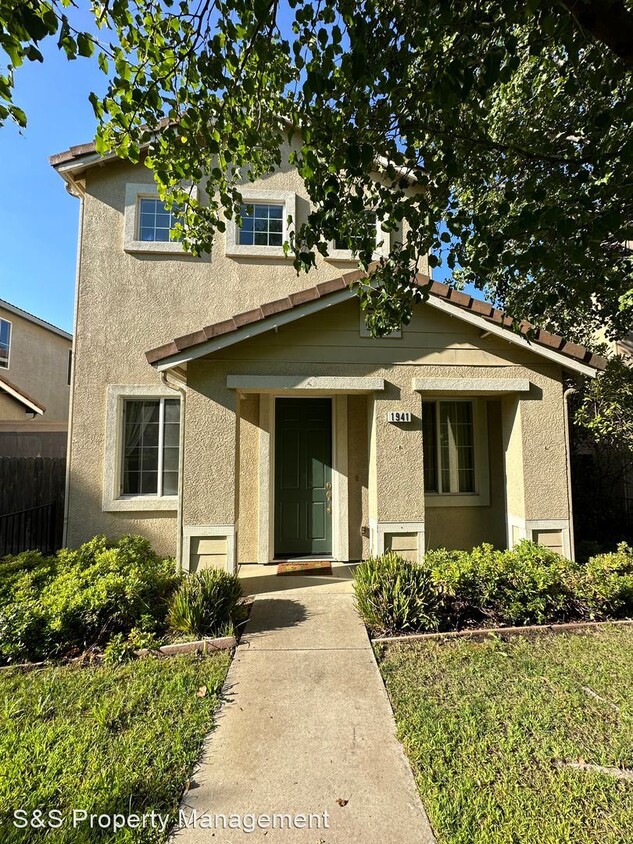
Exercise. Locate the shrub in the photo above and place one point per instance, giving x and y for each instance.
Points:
(84, 597)
(605, 584)
(394, 595)
(205, 603)
(528, 584)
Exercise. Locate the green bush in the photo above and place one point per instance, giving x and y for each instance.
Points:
(82, 597)
(394, 595)
(205, 603)
(605, 584)
(527, 584)
(485, 587)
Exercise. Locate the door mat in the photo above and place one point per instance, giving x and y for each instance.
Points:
(309, 567)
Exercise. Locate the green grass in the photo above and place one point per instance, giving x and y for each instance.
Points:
(484, 722)
(105, 739)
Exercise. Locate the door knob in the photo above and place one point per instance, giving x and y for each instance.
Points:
(328, 485)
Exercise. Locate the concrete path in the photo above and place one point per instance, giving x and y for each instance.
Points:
(307, 726)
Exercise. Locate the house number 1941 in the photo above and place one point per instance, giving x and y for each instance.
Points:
(398, 416)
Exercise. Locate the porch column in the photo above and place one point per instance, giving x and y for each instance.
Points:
(396, 474)
(211, 476)
(536, 465)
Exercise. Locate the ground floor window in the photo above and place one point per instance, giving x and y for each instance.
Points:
(151, 436)
(449, 446)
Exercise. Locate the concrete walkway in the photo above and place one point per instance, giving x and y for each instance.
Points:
(307, 726)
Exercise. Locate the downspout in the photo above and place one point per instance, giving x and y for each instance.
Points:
(572, 548)
(75, 189)
(181, 465)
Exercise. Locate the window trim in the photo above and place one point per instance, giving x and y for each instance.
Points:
(10, 324)
(288, 199)
(481, 496)
(383, 242)
(113, 499)
(134, 192)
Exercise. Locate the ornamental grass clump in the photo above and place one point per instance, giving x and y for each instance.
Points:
(394, 595)
(206, 604)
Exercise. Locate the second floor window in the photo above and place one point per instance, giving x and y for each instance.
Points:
(449, 446)
(151, 440)
(156, 222)
(353, 242)
(262, 225)
(5, 343)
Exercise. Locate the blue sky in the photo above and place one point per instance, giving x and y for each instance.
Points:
(38, 218)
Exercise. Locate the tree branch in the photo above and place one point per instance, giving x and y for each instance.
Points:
(609, 21)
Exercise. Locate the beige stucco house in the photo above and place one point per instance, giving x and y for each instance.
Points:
(35, 366)
(232, 411)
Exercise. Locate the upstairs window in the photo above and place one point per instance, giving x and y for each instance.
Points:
(5, 343)
(449, 447)
(353, 242)
(151, 440)
(262, 224)
(156, 222)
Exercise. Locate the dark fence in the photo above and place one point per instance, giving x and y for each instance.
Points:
(35, 529)
(31, 503)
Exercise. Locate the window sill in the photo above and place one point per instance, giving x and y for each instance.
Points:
(141, 503)
(456, 499)
(242, 251)
(155, 247)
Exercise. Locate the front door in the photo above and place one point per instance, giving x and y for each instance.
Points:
(303, 477)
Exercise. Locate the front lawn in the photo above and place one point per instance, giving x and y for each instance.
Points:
(105, 739)
(486, 725)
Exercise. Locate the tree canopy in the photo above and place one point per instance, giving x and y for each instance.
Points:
(495, 136)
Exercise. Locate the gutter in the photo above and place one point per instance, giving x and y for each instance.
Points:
(182, 390)
(572, 545)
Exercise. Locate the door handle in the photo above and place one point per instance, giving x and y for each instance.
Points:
(328, 485)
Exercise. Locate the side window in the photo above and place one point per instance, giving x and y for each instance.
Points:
(148, 224)
(5, 343)
(156, 223)
(150, 447)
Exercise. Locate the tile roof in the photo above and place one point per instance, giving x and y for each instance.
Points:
(461, 301)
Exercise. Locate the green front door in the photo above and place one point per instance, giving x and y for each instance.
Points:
(303, 477)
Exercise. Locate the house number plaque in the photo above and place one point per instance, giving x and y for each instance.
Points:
(398, 416)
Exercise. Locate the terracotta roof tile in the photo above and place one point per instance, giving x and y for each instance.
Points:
(456, 298)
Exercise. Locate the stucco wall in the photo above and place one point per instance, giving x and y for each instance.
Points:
(129, 303)
(38, 365)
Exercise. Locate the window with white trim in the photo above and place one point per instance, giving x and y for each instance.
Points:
(150, 447)
(448, 432)
(267, 216)
(148, 224)
(156, 223)
(5, 343)
(262, 224)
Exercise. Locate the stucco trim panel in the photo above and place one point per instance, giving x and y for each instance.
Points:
(302, 383)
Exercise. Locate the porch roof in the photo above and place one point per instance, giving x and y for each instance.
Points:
(21, 396)
(242, 326)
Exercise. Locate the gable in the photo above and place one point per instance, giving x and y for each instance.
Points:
(460, 307)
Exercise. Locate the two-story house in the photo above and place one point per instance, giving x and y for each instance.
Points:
(35, 367)
(232, 411)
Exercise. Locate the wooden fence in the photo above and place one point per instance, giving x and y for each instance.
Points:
(30, 482)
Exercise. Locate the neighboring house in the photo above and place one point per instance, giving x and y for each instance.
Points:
(232, 411)
(35, 365)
